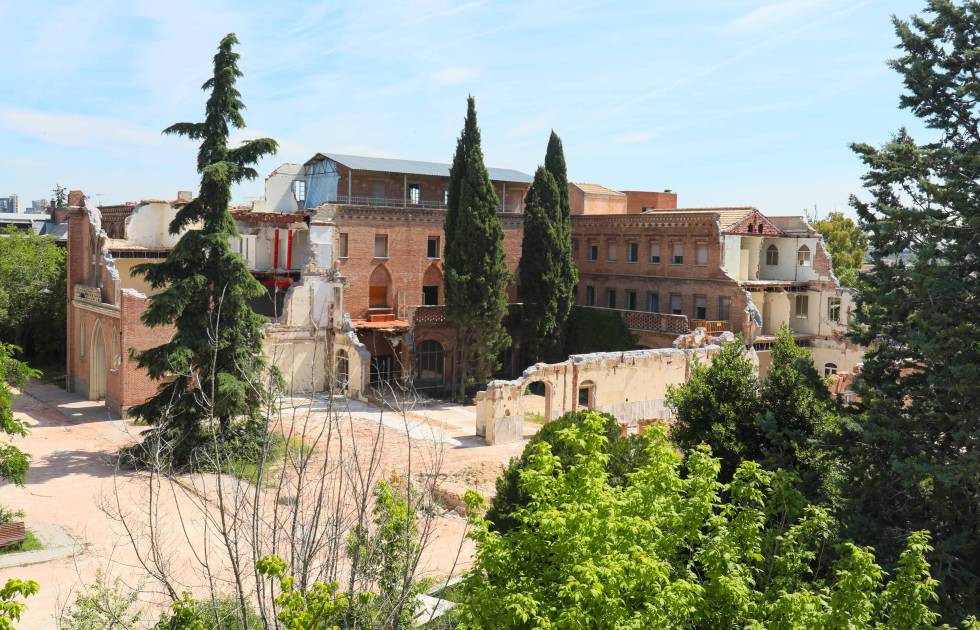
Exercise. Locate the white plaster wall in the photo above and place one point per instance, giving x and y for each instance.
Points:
(149, 225)
(321, 244)
(732, 257)
(844, 355)
(776, 311)
(786, 269)
(279, 190)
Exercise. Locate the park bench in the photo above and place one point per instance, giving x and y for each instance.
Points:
(11, 534)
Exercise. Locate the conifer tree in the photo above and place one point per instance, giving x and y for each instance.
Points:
(476, 275)
(915, 452)
(215, 355)
(554, 162)
(542, 262)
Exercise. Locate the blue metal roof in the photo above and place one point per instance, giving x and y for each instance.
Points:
(415, 167)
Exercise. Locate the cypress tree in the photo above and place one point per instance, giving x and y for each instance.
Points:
(541, 265)
(476, 275)
(554, 162)
(915, 451)
(215, 356)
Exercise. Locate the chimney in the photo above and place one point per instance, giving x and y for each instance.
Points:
(76, 198)
(184, 196)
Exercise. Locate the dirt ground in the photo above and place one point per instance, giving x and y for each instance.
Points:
(73, 445)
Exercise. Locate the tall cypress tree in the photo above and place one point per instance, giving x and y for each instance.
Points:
(541, 265)
(476, 275)
(554, 162)
(915, 453)
(215, 356)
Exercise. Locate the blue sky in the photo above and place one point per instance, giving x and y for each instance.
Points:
(727, 102)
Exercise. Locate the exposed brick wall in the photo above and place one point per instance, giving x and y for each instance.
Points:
(407, 263)
(638, 200)
(687, 280)
(136, 383)
(753, 225)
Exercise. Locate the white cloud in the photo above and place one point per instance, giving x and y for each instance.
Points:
(69, 129)
(454, 76)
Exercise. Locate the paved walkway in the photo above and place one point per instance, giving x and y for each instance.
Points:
(57, 544)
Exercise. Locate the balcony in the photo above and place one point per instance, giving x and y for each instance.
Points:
(712, 327)
(397, 202)
(645, 321)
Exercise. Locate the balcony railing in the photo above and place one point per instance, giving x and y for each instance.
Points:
(396, 202)
(711, 326)
(645, 321)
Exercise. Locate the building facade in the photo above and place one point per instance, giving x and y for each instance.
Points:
(10, 204)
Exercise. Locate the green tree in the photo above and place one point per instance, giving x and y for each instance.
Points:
(205, 287)
(913, 453)
(476, 275)
(10, 607)
(590, 330)
(676, 548)
(847, 244)
(718, 406)
(554, 162)
(788, 421)
(14, 463)
(542, 260)
(60, 198)
(32, 293)
(626, 454)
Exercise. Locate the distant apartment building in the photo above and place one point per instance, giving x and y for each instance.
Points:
(39, 206)
(9, 204)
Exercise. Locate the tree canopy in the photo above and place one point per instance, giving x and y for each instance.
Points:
(32, 293)
(913, 453)
(204, 287)
(847, 244)
(476, 276)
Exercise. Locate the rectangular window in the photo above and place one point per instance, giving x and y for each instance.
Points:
(833, 309)
(653, 302)
(593, 251)
(575, 246)
(633, 252)
(611, 250)
(611, 298)
(700, 307)
(432, 247)
(654, 253)
(380, 245)
(631, 300)
(724, 308)
(675, 304)
(414, 194)
(342, 246)
(589, 295)
(677, 257)
(701, 254)
(802, 306)
(299, 190)
(430, 295)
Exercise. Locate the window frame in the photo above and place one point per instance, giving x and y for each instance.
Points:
(675, 259)
(653, 296)
(704, 305)
(611, 248)
(428, 247)
(611, 298)
(772, 256)
(632, 252)
(834, 304)
(375, 251)
(655, 245)
(680, 304)
(590, 295)
(343, 245)
(803, 256)
(593, 253)
(724, 313)
(414, 194)
(698, 249)
(801, 298)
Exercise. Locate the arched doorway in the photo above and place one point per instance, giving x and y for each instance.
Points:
(341, 371)
(536, 402)
(586, 395)
(430, 363)
(379, 288)
(97, 365)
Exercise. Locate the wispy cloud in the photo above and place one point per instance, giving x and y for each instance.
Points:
(453, 76)
(68, 129)
(770, 15)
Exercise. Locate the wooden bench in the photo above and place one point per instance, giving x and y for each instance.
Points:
(12, 534)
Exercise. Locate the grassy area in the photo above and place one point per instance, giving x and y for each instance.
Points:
(279, 448)
(31, 543)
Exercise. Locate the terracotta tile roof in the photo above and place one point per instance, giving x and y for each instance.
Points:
(727, 217)
(597, 189)
(276, 218)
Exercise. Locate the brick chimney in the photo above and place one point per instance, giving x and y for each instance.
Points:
(76, 198)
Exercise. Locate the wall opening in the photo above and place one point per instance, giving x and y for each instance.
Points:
(586, 395)
(97, 365)
(379, 288)
(536, 402)
(430, 360)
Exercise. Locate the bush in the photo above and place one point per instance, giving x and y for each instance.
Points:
(101, 606)
(590, 330)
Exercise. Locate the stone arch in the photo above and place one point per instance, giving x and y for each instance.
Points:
(536, 400)
(379, 288)
(98, 367)
(586, 395)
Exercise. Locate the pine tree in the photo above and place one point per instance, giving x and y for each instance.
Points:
(554, 162)
(915, 452)
(541, 265)
(215, 354)
(476, 275)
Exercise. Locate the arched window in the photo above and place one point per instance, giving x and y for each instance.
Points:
(341, 371)
(829, 368)
(751, 228)
(429, 362)
(803, 256)
(772, 255)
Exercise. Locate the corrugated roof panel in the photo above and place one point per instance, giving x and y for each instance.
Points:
(416, 167)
